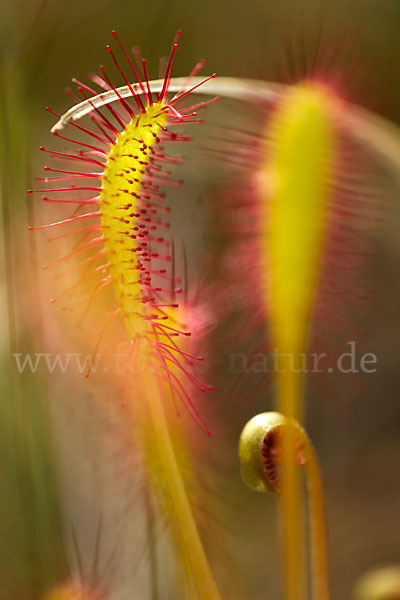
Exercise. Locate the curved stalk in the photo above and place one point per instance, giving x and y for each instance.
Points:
(382, 136)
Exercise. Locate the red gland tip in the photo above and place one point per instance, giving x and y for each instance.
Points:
(51, 300)
(30, 191)
(44, 267)
(177, 36)
(30, 228)
(42, 148)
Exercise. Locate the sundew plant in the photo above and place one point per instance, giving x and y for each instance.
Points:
(300, 187)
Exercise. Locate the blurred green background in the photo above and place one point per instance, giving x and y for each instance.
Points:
(43, 44)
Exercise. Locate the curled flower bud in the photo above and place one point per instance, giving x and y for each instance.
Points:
(259, 450)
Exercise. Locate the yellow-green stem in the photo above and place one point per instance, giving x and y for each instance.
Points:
(319, 560)
(289, 398)
(317, 520)
(184, 523)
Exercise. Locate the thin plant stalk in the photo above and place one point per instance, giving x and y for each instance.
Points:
(319, 560)
(184, 522)
(288, 402)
